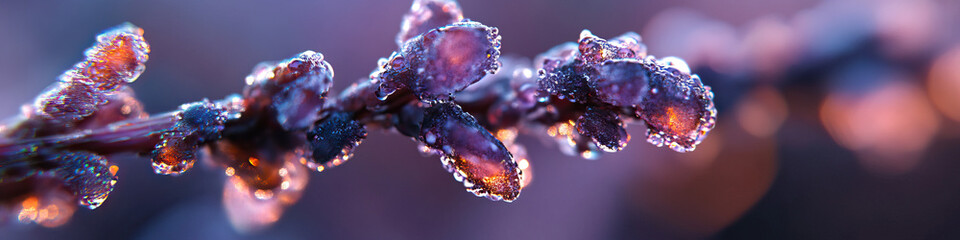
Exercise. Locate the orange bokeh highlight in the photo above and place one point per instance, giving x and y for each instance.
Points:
(889, 127)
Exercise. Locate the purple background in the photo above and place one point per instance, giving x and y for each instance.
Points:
(796, 184)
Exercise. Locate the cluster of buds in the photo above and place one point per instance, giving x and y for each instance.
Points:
(446, 72)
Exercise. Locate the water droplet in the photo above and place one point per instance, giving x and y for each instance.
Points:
(383, 93)
(396, 63)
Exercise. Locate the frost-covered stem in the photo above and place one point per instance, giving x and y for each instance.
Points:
(136, 135)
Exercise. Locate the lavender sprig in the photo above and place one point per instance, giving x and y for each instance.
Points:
(446, 87)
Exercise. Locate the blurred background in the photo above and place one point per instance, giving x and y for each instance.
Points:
(837, 120)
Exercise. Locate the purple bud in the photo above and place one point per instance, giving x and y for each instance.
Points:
(68, 103)
(295, 89)
(470, 152)
(116, 59)
(121, 105)
(604, 127)
(203, 118)
(197, 123)
(678, 109)
(595, 50)
(332, 140)
(622, 82)
(428, 14)
(88, 175)
(571, 82)
(441, 62)
(176, 153)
